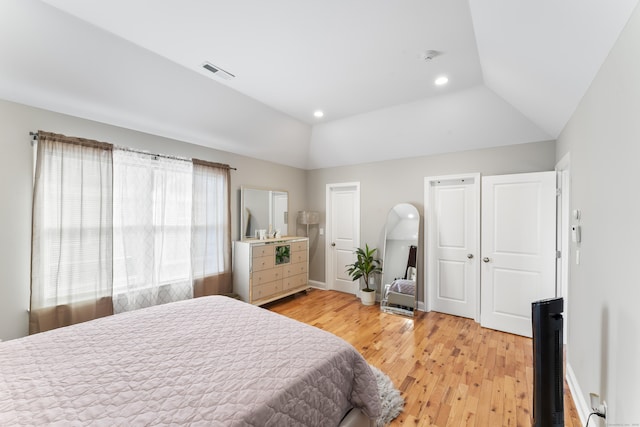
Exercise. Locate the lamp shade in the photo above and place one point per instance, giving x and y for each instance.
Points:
(308, 217)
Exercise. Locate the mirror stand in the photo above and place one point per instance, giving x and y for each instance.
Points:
(400, 260)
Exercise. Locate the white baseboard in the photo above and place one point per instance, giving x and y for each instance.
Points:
(323, 286)
(578, 397)
(318, 285)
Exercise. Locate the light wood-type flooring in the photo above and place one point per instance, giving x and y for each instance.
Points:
(451, 371)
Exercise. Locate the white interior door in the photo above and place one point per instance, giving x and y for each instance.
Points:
(343, 234)
(452, 257)
(518, 248)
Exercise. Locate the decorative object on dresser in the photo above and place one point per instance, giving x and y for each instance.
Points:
(270, 269)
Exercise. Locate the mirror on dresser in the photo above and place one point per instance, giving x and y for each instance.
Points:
(263, 209)
(399, 294)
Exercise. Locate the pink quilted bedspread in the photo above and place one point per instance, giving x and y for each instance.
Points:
(210, 361)
(403, 286)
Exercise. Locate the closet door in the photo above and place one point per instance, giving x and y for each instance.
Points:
(452, 256)
(518, 248)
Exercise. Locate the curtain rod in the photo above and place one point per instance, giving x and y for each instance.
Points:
(34, 138)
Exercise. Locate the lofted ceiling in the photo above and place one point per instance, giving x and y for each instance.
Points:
(516, 70)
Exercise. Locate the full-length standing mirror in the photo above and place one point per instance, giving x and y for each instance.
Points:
(400, 260)
(263, 209)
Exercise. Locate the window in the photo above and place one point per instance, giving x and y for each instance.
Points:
(152, 203)
(135, 228)
(72, 223)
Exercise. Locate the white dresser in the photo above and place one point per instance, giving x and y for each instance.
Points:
(266, 270)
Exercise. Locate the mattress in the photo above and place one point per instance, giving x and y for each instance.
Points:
(210, 361)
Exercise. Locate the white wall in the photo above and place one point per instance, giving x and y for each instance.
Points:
(385, 184)
(16, 166)
(458, 121)
(603, 137)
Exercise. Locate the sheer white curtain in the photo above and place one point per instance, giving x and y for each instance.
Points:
(151, 230)
(211, 229)
(116, 230)
(71, 232)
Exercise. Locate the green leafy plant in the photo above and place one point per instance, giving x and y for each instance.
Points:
(366, 264)
(282, 254)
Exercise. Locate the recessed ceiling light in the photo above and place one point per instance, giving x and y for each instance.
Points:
(442, 80)
(318, 113)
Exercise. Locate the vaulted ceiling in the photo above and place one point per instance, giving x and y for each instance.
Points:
(516, 70)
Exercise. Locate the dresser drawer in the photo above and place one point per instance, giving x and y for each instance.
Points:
(298, 246)
(262, 251)
(264, 291)
(298, 256)
(293, 269)
(263, 263)
(266, 276)
(293, 282)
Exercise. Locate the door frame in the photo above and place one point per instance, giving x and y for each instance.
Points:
(329, 267)
(563, 229)
(430, 241)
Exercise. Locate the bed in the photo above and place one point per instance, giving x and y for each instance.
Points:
(210, 361)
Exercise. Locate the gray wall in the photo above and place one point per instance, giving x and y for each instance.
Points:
(603, 139)
(16, 168)
(384, 184)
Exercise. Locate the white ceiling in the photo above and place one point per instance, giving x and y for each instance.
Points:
(517, 70)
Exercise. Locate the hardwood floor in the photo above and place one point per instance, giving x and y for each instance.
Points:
(451, 372)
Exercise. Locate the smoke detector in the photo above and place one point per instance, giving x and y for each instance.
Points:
(219, 72)
(428, 55)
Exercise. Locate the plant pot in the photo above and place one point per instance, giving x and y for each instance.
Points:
(368, 298)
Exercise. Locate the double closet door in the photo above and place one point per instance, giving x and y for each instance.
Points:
(491, 246)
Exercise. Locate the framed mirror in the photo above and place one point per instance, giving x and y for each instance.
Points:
(263, 209)
(400, 268)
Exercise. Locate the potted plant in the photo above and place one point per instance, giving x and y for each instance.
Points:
(365, 266)
(283, 254)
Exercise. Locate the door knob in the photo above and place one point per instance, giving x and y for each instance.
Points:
(333, 243)
(470, 256)
(485, 259)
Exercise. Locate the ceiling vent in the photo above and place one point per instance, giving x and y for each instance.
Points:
(217, 71)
